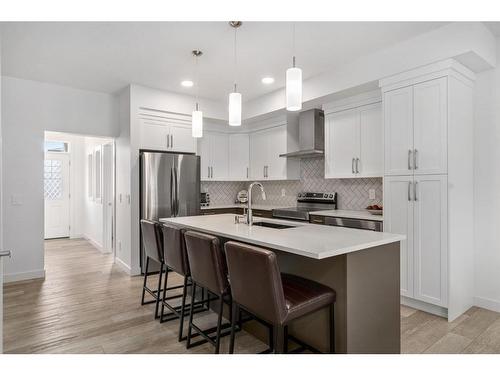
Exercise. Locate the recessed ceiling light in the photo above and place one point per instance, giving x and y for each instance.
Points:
(267, 80)
(187, 83)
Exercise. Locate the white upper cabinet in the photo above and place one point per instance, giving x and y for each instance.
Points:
(398, 122)
(354, 143)
(214, 154)
(166, 136)
(416, 129)
(239, 157)
(265, 162)
(430, 127)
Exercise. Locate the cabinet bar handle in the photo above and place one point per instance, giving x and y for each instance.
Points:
(171, 140)
(415, 194)
(208, 172)
(352, 166)
(168, 141)
(415, 159)
(212, 172)
(409, 159)
(409, 191)
(357, 165)
(5, 253)
(247, 172)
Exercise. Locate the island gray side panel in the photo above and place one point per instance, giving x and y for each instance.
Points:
(373, 300)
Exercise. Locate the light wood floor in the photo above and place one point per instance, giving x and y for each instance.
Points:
(87, 304)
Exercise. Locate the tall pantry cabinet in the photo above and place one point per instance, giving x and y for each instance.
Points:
(428, 183)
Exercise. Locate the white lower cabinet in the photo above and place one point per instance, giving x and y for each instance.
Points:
(166, 136)
(416, 206)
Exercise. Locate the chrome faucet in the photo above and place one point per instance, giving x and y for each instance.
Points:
(249, 204)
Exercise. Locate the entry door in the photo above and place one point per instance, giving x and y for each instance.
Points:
(108, 196)
(56, 191)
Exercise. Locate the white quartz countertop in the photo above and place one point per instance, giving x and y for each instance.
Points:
(241, 205)
(351, 214)
(309, 240)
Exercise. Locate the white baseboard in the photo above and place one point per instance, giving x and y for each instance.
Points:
(486, 303)
(123, 265)
(424, 306)
(97, 245)
(22, 276)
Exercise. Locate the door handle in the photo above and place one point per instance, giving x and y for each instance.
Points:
(352, 166)
(5, 253)
(415, 159)
(415, 191)
(409, 159)
(409, 191)
(357, 165)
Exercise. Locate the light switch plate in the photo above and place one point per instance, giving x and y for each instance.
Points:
(371, 193)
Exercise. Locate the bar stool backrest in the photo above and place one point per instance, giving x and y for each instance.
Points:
(206, 261)
(175, 249)
(152, 240)
(255, 281)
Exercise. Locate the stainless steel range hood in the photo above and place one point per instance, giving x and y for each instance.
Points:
(311, 135)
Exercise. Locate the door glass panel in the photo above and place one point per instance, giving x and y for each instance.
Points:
(53, 183)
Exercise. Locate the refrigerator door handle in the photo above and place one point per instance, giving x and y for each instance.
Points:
(176, 182)
(172, 204)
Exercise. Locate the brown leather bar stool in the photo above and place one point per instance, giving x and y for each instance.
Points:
(153, 248)
(258, 287)
(208, 270)
(176, 260)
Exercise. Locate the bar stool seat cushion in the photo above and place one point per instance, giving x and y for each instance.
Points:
(303, 296)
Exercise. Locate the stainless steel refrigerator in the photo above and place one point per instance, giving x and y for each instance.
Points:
(169, 186)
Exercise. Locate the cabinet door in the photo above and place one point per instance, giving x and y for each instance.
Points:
(276, 145)
(430, 242)
(430, 126)
(153, 136)
(239, 154)
(182, 139)
(342, 144)
(204, 153)
(258, 154)
(371, 163)
(398, 218)
(219, 155)
(398, 130)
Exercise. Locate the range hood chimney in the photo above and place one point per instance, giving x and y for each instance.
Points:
(311, 135)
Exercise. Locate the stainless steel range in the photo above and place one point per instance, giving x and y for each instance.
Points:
(307, 202)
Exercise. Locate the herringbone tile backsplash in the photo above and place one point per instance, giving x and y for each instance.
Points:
(352, 192)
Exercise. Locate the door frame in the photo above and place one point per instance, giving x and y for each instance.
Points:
(68, 155)
(108, 199)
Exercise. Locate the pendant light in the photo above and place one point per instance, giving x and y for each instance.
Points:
(235, 96)
(197, 115)
(293, 82)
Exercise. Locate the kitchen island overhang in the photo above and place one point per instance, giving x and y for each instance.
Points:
(362, 266)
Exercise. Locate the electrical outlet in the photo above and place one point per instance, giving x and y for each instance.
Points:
(371, 194)
(283, 192)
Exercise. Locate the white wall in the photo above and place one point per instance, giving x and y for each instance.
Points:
(487, 188)
(28, 109)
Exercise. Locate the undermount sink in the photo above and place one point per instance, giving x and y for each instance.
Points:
(273, 225)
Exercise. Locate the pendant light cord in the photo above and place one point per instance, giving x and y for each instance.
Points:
(197, 79)
(235, 60)
(293, 44)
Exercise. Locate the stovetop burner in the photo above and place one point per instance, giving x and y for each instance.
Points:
(306, 203)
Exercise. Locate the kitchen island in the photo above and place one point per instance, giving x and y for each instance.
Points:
(361, 266)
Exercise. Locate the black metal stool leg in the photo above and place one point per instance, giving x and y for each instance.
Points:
(183, 306)
(233, 326)
(219, 323)
(278, 339)
(188, 341)
(332, 328)
(158, 291)
(145, 281)
(285, 339)
(164, 296)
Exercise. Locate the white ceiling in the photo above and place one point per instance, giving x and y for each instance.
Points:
(106, 57)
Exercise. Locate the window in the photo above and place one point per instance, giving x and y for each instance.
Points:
(53, 182)
(56, 146)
